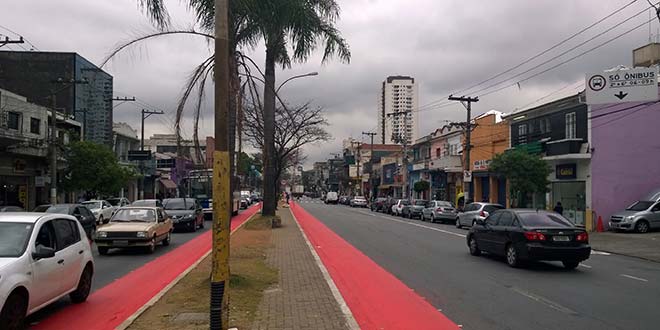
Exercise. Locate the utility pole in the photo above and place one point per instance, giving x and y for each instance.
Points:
(371, 157)
(357, 159)
(222, 195)
(467, 103)
(9, 41)
(122, 100)
(403, 139)
(53, 134)
(145, 115)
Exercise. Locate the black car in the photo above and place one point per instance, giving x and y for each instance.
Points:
(186, 213)
(414, 209)
(81, 212)
(522, 234)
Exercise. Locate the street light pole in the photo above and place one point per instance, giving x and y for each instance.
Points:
(296, 77)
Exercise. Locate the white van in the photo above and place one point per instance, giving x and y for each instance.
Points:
(331, 197)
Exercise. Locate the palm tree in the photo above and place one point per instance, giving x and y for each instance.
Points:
(298, 25)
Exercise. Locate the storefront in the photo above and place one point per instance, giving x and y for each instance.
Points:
(569, 183)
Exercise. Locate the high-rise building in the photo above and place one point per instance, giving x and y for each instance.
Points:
(397, 111)
(35, 75)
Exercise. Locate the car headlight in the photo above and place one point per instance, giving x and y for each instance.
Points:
(189, 216)
(141, 234)
(629, 218)
(102, 234)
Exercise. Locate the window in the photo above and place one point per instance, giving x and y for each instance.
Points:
(492, 219)
(570, 125)
(492, 208)
(545, 125)
(522, 129)
(46, 236)
(506, 219)
(13, 120)
(438, 152)
(67, 233)
(35, 125)
(656, 208)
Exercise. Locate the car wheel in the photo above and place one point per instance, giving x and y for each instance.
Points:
(103, 250)
(512, 256)
(193, 227)
(458, 223)
(642, 226)
(570, 264)
(432, 218)
(167, 239)
(201, 225)
(84, 286)
(474, 223)
(409, 215)
(151, 248)
(474, 248)
(13, 313)
(101, 219)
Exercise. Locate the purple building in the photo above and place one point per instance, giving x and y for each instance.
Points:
(625, 161)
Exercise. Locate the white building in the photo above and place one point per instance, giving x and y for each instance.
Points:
(397, 111)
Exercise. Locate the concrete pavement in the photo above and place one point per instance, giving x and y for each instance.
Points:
(644, 246)
(606, 292)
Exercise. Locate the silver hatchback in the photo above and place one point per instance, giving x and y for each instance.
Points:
(474, 212)
(441, 211)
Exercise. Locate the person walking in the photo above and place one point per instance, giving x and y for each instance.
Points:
(559, 209)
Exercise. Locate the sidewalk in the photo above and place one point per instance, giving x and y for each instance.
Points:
(302, 299)
(644, 246)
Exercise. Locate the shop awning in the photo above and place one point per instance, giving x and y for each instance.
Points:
(168, 184)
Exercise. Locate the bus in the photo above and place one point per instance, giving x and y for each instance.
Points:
(198, 185)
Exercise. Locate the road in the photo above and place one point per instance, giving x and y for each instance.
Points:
(117, 264)
(605, 292)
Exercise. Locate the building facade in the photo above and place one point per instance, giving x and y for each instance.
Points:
(397, 111)
(489, 138)
(125, 139)
(34, 75)
(445, 165)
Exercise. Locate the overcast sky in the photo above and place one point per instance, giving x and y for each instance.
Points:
(446, 45)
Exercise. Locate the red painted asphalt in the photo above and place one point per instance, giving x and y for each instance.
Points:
(111, 305)
(377, 299)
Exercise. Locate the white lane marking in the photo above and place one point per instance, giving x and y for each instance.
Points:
(600, 253)
(634, 278)
(417, 225)
(585, 266)
(544, 301)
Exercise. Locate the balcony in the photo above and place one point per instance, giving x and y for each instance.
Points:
(563, 147)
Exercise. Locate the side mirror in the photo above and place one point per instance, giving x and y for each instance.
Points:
(43, 252)
(481, 222)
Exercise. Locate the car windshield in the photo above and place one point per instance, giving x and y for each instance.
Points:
(114, 201)
(134, 215)
(179, 204)
(542, 219)
(420, 202)
(61, 209)
(92, 205)
(13, 238)
(639, 206)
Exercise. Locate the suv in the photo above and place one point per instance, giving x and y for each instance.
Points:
(331, 197)
(641, 216)
(474, 212)
(37, 251)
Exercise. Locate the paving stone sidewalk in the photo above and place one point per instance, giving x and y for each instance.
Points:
(302, 299)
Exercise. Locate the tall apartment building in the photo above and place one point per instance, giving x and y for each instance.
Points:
(398, 96)
(35, 75)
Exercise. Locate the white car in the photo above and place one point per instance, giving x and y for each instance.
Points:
(397, 209)
(43, 257)
(102, 210)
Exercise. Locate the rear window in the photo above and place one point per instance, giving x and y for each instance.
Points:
(404, 202)
(538, 219)
(444, 204)
(491, 208)
(421, 202)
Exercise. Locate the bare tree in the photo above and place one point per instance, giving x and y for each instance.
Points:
(296, 127)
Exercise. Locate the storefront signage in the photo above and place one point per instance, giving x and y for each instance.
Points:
(23, 195)
(566, 171)
(418, 166)
(482, 164)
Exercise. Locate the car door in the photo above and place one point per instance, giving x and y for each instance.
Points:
(486, 236)
(107, 209)
(71, 252)
(465, 216)
(501, 231)
(46, 273)
(655, 216)
(161, 226)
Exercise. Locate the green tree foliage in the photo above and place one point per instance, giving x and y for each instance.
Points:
(93, 168)
(526, 173)
(421, 186)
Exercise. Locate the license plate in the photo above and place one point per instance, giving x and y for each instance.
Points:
(120, 243)
(561, 238)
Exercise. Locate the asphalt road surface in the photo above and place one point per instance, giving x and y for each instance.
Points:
(605, 292)
(118, 263)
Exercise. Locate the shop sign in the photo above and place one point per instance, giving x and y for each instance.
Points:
(23, 195)
(482, 164)
(566, 171)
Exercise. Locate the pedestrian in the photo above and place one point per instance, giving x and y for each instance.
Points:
(286, 195)
(559, 209)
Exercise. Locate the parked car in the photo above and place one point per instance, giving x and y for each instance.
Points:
(119, 202)
(414, 209)
(101, 208)
(148, 203)
(529, 235)
(641, 216)
(254, 198)
(331, 197)
(389, 204)
(86, 218)
(44, 257)
(397, 209)
(474, 212)
(10, 208)
(442, 211)
(244, 203)
(358, 201)
(186, 213)
(378, 203)
(135, 226)
(344, 200)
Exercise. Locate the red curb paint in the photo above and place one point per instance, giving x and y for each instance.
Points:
(377, 299)
(111, 305)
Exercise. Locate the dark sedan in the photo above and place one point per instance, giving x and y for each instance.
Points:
(81, 212)
(378, 204)
(529, 235)
(414, 209)
(186, 213)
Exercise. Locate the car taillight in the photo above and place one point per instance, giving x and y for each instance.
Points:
(582, 237)
(439, 209)
(534, 236)
(482, 214)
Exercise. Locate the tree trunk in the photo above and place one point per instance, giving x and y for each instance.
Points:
(233, 81)
(270, 177)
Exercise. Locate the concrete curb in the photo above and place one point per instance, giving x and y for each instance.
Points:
(348, 315)
(127, 323)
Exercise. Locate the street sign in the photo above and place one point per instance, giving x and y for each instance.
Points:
(622, 85)
(139, 155)
(467, 176)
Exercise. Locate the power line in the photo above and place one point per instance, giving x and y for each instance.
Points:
(18, 34)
